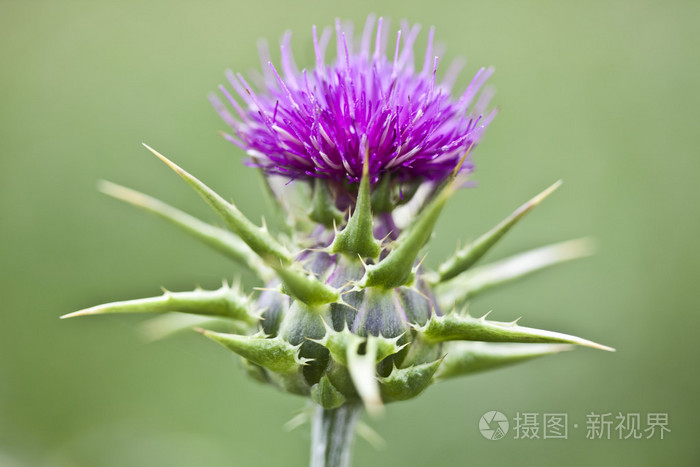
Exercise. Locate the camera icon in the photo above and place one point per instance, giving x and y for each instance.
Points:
(493, 425)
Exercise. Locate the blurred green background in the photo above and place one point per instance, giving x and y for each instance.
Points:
(601, 94)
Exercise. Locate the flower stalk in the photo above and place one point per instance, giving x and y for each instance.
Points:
(333, 435)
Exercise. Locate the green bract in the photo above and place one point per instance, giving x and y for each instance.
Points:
(345, 318)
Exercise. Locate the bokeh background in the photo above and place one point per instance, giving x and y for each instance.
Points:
(603, 94)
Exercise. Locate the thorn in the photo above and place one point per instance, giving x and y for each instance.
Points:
(396, 339)
(458, 167)
(364, 265)
(432, 310)
(385, 237)
(353, 287)
(269, 289)
(167, 161)
(326, 325)
(365, 163)
(416, 326)
(369, 435)
(423, 295)
(317, 341)
(74, 314)
(540, 197)
(483, 318)
(315, 250)
(343, 302)
(417, 266)
(302, 251)
(297, 421)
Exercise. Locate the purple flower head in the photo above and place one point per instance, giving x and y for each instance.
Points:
(322, 122)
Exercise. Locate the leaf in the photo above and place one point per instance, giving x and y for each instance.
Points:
(465, 358)
(298, 284)
(407, 383)
(470, 254)
(357, 238)
(338, 343)
(306, 287)
(218, 239)
(258, 239)
(323, 209)
(465, 327)
(483, 278)
(396, 269)
(362, 368)
(225, 302)
(275, 354)
(169, 324)
(326, 395)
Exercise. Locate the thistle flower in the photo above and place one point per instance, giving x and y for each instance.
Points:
(321, 122)
(348, 317)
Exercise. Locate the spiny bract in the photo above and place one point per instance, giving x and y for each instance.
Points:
(347, 313)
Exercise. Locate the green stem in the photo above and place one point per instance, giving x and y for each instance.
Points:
(332, 435)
